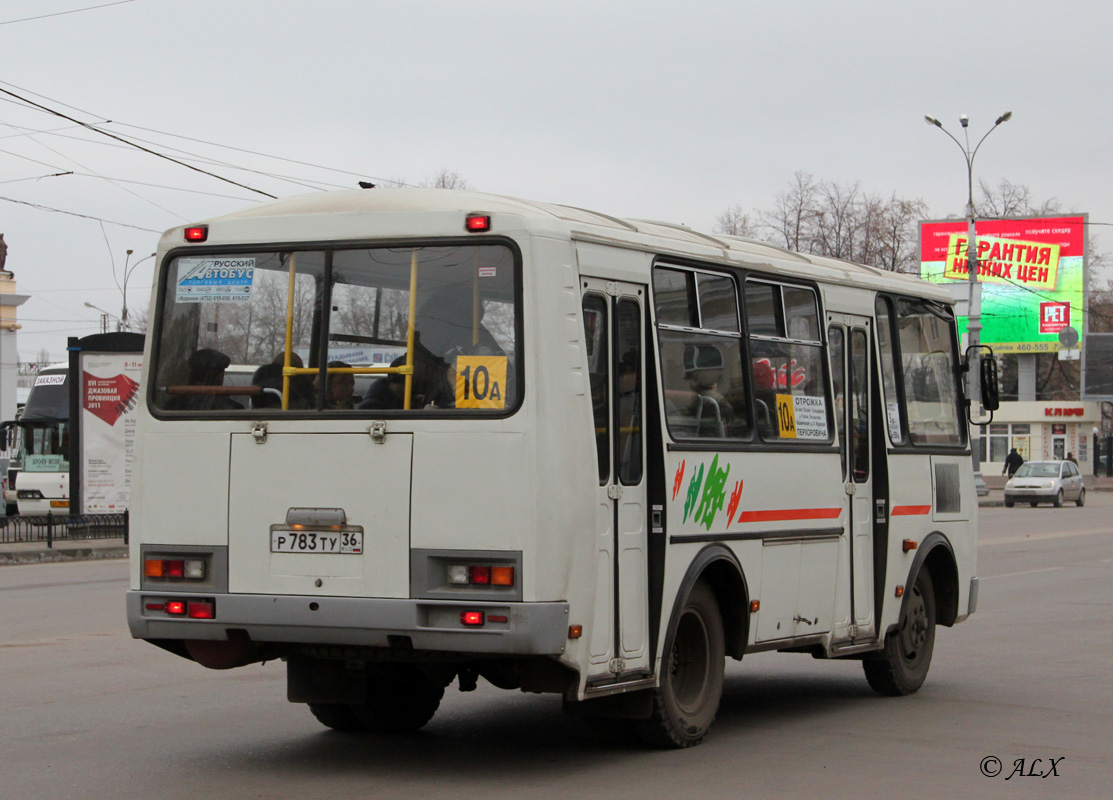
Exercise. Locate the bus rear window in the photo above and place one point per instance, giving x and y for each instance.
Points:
(329, 330)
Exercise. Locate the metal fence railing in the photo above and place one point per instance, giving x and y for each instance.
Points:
(63, 527)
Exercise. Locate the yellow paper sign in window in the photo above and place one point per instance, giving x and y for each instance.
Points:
(481, 381)
(786, 416)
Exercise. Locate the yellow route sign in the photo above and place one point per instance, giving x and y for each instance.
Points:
(481, 381)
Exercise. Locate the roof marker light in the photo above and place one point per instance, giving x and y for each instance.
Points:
(477, 223)
(197, 233)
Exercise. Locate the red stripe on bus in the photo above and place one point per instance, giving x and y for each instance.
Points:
(789, 514)
(910, 511)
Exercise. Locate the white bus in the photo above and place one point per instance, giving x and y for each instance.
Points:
(43, 482)
(612, 454)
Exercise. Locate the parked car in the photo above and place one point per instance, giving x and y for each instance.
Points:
(1046, 482)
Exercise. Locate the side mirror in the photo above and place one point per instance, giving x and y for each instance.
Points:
(991, 395)
(9, 435)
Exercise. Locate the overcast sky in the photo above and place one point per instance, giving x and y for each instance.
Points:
(652, 109)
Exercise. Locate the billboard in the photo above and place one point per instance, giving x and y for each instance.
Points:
(1032, 272)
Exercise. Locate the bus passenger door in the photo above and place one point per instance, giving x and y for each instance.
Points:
(850, 368)
(613, 329)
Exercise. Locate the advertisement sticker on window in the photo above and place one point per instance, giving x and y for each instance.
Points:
(214, 280)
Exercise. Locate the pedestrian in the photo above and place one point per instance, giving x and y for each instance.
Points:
(1072, 459)
(1012, 462)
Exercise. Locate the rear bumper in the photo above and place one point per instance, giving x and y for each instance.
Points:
(433, 625)
(1030, 495)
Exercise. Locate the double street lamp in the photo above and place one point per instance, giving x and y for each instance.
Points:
(974, 311)
(124, 287)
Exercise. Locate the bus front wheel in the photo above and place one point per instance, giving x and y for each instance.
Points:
(685, 703)
(902, 666)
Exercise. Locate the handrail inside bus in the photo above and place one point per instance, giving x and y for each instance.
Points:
(289, 370)
(194, 390)
(289, 349)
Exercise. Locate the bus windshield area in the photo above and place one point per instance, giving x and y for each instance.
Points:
(46, 447)
(340, 330)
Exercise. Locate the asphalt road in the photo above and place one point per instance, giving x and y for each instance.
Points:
(85, 711)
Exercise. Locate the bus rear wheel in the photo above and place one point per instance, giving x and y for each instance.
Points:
(336, 716)
(400, 699)
(902, 666)
(685, 704)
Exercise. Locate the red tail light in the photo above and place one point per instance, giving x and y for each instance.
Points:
(202, 609)
(471, 617)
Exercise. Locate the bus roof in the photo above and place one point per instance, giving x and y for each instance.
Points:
(350, 209)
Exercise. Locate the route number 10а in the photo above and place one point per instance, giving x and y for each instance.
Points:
(481, 381)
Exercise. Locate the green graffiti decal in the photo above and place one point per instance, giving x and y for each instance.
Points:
(714, 494)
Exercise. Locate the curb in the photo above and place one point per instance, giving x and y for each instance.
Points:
(39, 553)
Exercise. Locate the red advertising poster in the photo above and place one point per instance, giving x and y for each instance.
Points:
(109, 395)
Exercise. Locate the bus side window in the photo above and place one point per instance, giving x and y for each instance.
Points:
(699, 335)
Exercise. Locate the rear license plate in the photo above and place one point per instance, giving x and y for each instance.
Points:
(342, 542)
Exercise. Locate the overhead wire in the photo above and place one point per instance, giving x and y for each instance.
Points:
(124, 188)
(106, 121)
(64, 13)
(75, 214)
(155, 153)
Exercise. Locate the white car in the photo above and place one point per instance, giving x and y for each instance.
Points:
(1046, 482)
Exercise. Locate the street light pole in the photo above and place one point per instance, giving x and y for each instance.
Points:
(104, 317)
(974, 310)
(123, 323)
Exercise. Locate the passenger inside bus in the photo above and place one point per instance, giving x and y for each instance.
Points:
(449, 319)
(703, 369)
(269, 378)
(206, 368)
(340, 388)
(389, 391)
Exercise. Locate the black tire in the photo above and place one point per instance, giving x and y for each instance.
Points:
(1058, 502)
(1033, 503)
(336, 716)
(685, 704)
(400, 699)
(1081, 501)
(1009, 502)
(902, 666)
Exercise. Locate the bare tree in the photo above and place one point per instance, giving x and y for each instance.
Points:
(841, 221)
(735, 222)
(789, 222)
(898, 235)
(447, 179)
(1010, 199)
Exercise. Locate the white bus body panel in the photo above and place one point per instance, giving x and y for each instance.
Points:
(370, 481)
